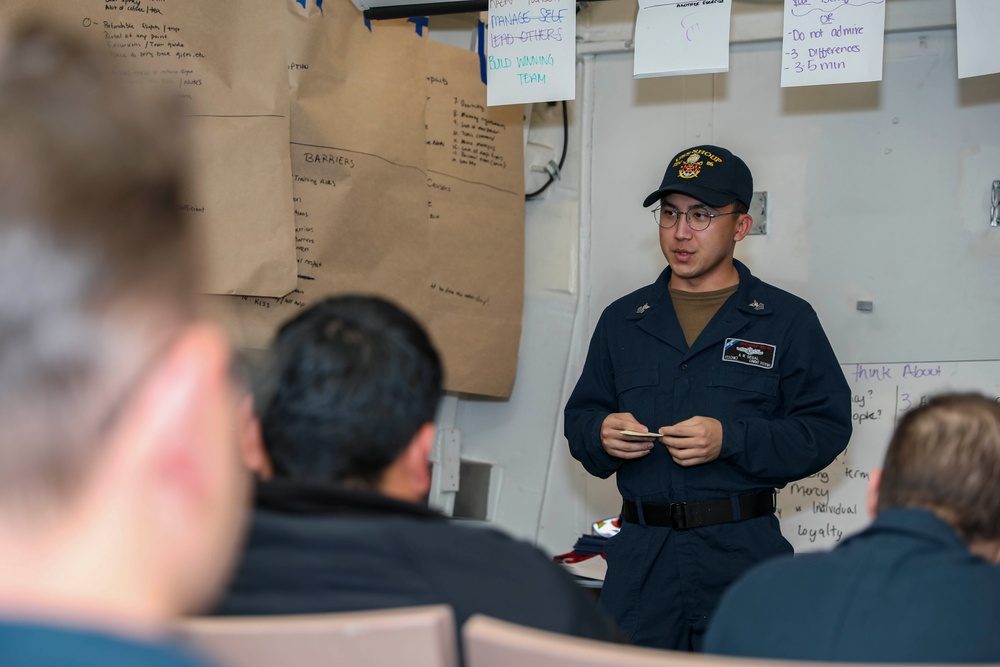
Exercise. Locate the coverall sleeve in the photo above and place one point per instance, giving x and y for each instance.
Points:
(812, 423)
(593, 399)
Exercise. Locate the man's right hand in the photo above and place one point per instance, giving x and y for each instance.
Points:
(624, 446)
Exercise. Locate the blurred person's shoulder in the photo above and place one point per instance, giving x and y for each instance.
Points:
(26, 644)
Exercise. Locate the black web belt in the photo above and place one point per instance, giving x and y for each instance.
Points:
(682, 516)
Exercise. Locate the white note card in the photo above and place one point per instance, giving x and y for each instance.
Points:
(530, 51)
(685, 37)
(976, 27)
(832, 41)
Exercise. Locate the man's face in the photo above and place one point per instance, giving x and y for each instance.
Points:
(701, 261)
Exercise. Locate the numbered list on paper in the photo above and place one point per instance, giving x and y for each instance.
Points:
(832, 41)
(530, 51)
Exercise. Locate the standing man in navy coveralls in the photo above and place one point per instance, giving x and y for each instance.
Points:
(741, 389)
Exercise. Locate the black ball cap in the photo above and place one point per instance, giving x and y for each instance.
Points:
(710, 174)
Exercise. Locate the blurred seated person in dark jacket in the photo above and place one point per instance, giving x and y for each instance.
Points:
(920, 584)
(344, 525)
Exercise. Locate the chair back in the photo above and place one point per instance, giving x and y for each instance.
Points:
(412, 636)
(490, 642)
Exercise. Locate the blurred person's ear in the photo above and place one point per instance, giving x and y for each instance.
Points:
(191, 474)
(408, 478)
(874, 480)
(252, 448)
(419, 457)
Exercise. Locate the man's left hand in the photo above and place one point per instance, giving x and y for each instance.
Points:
(693, 441)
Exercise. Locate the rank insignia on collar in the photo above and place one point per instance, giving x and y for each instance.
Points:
(757, 305)
(643, 308)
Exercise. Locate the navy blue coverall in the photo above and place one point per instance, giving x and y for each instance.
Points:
(783, 418)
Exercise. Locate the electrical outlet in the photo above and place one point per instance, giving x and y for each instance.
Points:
(758, 209)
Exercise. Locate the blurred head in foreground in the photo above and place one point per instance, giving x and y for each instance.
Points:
(121, 489)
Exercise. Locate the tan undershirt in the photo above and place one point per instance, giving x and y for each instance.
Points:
(695, 309)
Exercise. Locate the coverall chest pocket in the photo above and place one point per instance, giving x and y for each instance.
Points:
(636, 391)
(747, 392)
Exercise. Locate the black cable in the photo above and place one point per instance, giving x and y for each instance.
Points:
(562, 159)
(397, 11)
(425, 9)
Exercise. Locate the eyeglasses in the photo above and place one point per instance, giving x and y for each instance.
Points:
(698, 219)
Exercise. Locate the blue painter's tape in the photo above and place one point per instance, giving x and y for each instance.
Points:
(368, 24)
(421, 22)
(319, 6)
(302, 2)
(481, 47)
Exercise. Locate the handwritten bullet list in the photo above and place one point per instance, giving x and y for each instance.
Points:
(832, 41)
(531, 51)
(822, 509)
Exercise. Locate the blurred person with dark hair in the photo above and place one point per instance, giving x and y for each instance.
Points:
(121, 491)
(348, 424)
(920, 584)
